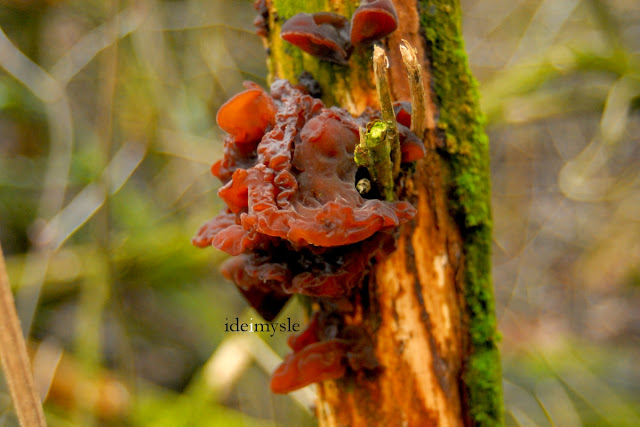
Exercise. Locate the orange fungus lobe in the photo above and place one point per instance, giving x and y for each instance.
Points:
(314, 363)
(247, 115)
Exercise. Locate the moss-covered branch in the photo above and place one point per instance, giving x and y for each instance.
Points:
(467, 151)
(374, 153)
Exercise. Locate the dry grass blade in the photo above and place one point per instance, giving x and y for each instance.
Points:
(15, 362)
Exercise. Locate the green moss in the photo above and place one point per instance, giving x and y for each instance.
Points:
(467, 152)
(483, 380)
(374, 153)
(287, 8)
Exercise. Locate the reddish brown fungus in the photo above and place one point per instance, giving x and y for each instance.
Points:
(247, 115)
(294, 220)
(314, 363)
(411, 147)
(324, 35)
(223, 233)
(266, 299)
(338, 270)
(373, 20)
(292, 201)
(355, 350)
(402, 110)
(308, 336)
(301, 188)
(261, 22)
(234, 194)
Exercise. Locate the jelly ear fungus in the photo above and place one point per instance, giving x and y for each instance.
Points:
(373, 20)
(294, 220)
(324, 35)
(331, 37)
(299, 218)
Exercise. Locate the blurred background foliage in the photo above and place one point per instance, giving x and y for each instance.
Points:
(107, 133)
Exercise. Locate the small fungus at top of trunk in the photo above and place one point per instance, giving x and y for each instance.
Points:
(373, 20)
(331, 37)
(323, 34)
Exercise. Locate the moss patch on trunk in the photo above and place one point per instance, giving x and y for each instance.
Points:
(467, 153)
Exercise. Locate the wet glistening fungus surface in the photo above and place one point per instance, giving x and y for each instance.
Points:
(303, 216)
(294, 221)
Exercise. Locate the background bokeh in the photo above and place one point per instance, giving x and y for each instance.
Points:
(107, 133)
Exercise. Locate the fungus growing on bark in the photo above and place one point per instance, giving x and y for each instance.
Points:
(295, 221)
(261, 22)
(373, 20)
(247, 115)
(312, 360)
(411, 147)
(324, 35)
(322, 351)
(301, 187)
(314, 363)
(402, 110)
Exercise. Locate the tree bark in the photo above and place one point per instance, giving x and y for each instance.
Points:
(429, 305)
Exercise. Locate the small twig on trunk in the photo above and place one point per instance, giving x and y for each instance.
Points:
(374, 153)
(379, 147)
(15, 361)
(380, 65)
(414, 71)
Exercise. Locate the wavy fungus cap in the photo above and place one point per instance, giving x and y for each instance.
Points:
(373, 20)
(302, 185)
(324, 35)
(255, 107)
(294, 216)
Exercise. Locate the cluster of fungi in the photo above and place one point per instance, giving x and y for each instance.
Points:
(295, 221)
(331, 37)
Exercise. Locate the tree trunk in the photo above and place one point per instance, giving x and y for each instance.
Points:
(429, 305)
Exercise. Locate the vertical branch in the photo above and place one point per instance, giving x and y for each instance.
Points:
(15, 361)
(380, 65)
(374, 152)
(418, 103)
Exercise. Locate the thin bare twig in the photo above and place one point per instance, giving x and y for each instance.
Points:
(15, 361)
(418, 103)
